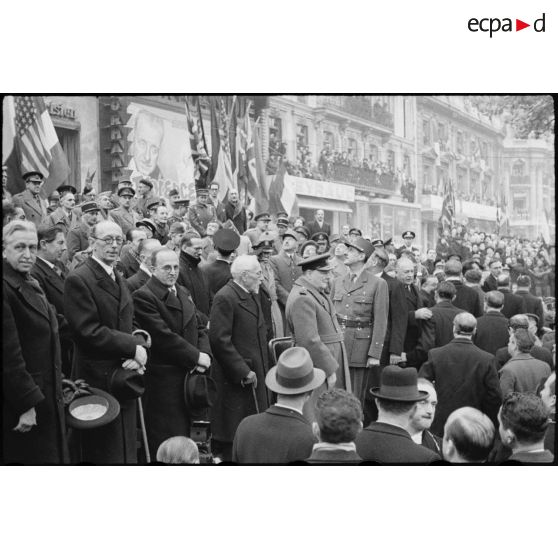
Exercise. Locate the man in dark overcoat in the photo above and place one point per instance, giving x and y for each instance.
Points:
(100, 313)
(218, 273)
(532, 304)
(237, 335)
(179, 345)
(33, 430)
(513, 304)
(464, 375)
(492, 328)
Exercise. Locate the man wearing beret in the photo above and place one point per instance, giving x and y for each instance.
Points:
(34, 207)
(262, 224)
(201, 212)
(100, 313)
(145, 195)
(311, 319)
(361, 302)
(125, 217)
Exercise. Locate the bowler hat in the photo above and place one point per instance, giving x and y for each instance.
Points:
(92, 411)
(362, 245)
(294, 373)
(31, 174)
(226, 239)
(399, 384)
(126, 384)
(200, 391)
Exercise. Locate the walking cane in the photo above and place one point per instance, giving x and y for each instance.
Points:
(143, 431)
(255, 399)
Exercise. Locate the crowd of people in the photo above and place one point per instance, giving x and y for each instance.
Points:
(140, 329)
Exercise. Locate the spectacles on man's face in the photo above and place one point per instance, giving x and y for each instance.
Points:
(108, 240)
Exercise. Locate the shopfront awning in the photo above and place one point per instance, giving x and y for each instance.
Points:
(321, 203)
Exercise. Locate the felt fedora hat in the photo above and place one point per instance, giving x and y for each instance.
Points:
(294, 373)
(92, 411)
(399, 384)
(126, 384)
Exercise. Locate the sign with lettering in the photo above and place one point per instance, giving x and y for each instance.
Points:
(61, 111)
(320, 189)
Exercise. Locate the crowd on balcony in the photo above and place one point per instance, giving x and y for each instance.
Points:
(474, 197)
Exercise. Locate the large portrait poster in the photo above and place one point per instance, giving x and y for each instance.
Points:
(159, 149)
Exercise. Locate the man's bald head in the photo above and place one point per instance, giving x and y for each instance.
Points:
(464, 324)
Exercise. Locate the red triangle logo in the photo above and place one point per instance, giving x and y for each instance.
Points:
(519, 25)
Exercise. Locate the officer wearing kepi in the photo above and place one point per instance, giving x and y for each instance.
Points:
(361, 301)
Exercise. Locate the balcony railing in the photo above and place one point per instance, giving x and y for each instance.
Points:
(360, 106)
(361, 177)
(519, 179)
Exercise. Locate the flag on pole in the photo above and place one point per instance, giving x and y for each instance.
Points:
(282, 195)
(220, 147)
(448, 208)
(30, 143)
(257, 179)
(198, 147)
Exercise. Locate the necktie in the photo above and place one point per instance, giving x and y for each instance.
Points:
(172, 290)
(58, 271)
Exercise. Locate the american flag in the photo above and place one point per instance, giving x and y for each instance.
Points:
(33, 135)
(448, 207)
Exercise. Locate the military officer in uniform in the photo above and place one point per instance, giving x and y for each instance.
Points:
(218, 273)
(361, 301)
(34, 207)
(145, 195)
(179, 212)
(322, 240)
(201, 212)
(311, 319)
(77, 239)
(125, 217)
(407, 246)
(262, 225)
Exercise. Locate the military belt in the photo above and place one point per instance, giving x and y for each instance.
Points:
(347, 322)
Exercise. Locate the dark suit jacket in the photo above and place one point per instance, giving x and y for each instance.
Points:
(177, 339)
(427, 299)
(100, 313)
(279, 435)
(438, 330)
(139, 279)
(194, 279)
(239, 345)
(540, 353)
(414, 326)
(397, 318)
(467, 299)
(513, 304)
(490, 284)
(77, 240)
(128, 264)
(492, 332)
(338, 457)
(218, 274)
(314, 227)
(523, 373)
(532, 305)
(464, 376)
(385, 443)
(31, 374)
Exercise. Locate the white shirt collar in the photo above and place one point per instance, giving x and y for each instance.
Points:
(243, 288)
(108, 268)
(47, 262)
(288, 407)
(145, 268)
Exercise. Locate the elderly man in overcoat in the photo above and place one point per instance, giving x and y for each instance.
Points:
(33, 429)
(361, 302)
(179, 345)
(237, 335)
(100, 313)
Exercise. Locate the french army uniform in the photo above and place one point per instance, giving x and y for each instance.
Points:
(201, 213)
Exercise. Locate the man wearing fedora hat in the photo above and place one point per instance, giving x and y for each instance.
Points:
(179, 345)
(388, 439)
(281, 434)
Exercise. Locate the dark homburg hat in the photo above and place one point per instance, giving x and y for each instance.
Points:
(226, 239)
(408, 234)
(105, 411)
(65, 188)
(319, 262)
(294, 373)
(362, 245)
(320, 236)
(32, 174)
(89, 207)
(399, 384)
(262, 217)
